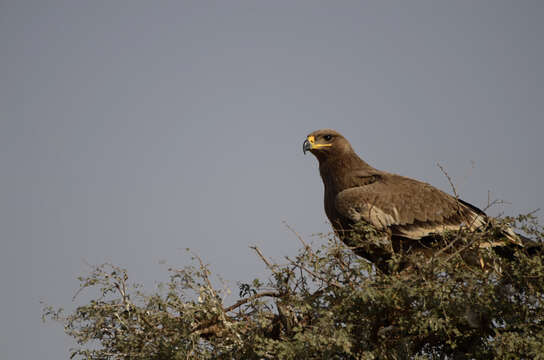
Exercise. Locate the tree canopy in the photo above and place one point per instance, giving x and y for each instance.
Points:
(326, 303)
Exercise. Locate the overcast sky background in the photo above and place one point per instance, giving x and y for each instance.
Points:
(130, 130)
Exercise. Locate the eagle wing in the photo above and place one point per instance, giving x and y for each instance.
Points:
(406, 207)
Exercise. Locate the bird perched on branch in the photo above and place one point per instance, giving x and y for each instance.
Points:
(404, 214)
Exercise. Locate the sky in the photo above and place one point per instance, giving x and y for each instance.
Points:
(131, 130)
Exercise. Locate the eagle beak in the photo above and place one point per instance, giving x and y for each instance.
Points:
(310, 144)
(306, 146)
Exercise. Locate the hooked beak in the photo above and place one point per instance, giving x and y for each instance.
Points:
(309, 144)
(306, 146)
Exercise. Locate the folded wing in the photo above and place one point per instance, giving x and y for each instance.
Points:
(407, 208)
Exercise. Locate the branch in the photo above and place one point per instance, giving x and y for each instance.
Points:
(268, 264)
(449, 180)
(304, 243)
(251, 298)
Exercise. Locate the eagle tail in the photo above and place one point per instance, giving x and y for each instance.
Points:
(517, 242)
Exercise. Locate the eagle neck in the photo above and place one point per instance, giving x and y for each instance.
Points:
(335, 171)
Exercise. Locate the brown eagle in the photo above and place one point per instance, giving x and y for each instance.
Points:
(405, 213)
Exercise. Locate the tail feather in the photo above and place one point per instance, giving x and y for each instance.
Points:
(517, 242)
(531, 246)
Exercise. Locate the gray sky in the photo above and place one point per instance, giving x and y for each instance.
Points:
(130, 130)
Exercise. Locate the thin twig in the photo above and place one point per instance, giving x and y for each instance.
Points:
(206, 277)
(268, 264)
(449, 180)
(334, 283)
(461, 249)
(304, 243)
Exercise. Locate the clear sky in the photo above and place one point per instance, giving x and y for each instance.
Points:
(130, 130)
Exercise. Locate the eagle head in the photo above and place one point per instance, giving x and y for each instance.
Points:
(326, 143)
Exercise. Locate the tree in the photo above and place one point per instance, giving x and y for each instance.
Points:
(327, 303)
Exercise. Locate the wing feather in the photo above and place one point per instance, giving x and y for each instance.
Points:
(407, 207)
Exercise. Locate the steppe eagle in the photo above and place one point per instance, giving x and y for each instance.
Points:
(407, 214)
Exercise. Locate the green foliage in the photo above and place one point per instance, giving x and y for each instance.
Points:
(326, 303)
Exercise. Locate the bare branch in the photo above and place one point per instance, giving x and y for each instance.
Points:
(449, 180)
(304, 243)
(251, 298)
(268, 264)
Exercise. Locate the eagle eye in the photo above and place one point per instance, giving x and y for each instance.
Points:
(327, 137)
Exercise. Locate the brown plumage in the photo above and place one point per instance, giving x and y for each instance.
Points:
(406, 213)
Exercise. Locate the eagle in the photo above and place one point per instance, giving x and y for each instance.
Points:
(405, 214)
